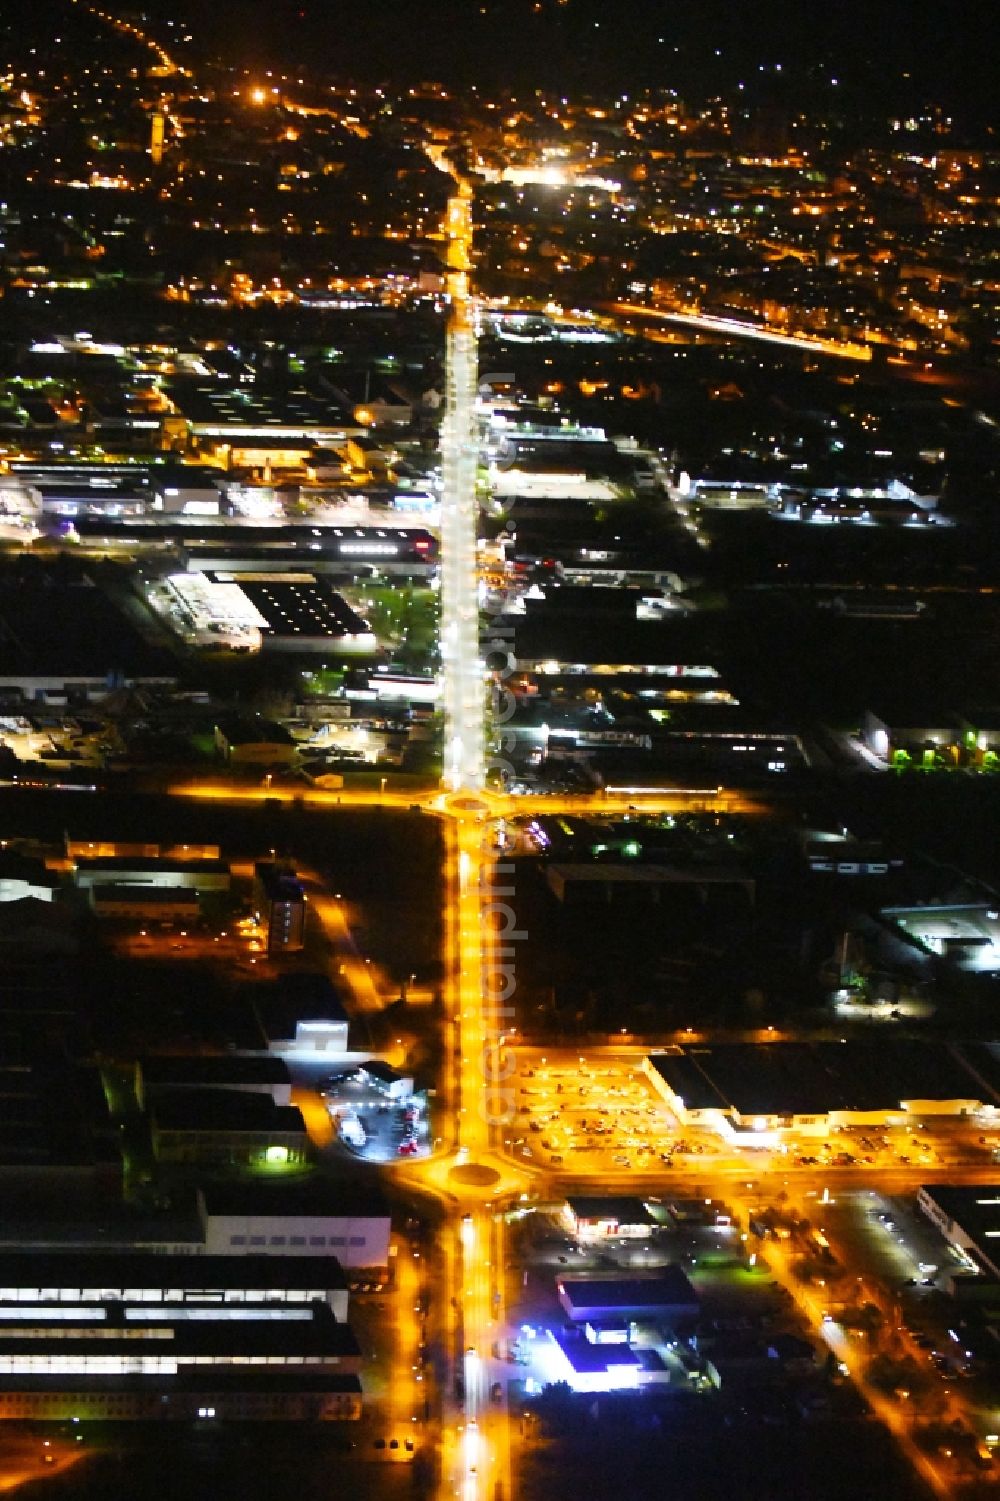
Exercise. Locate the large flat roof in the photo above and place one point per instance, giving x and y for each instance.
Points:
(318, 1197)
(121, 1269)
(803, 1078)
(976, 1209)
(623, 1210)
(588, 1360)
(608, 872)
(190, 1378)
(207, 1068)
(313, 609)
(317, 1333)
(668, 1287)
(144, 865)
(224, 1110)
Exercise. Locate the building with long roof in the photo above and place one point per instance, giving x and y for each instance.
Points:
(132, 1336)
(756, 1093)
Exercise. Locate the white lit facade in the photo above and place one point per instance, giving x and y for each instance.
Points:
(246, 1337)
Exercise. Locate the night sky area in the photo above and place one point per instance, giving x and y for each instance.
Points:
(696, 46)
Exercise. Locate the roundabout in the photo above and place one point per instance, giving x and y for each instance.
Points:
(474, 1175)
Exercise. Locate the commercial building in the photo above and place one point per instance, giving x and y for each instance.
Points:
(664, 1295)
(210, 611)
(126, 1336)
(969, 1220)
(596, 1219)
(757, 1093)
(280, 906)
(593, 1365)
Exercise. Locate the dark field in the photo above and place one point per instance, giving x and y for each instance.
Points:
(387, 863)
(705, 1460)
(258, 1463)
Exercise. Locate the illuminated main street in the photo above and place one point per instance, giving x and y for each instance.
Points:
(492, 805)
(591, 1124)
(504, 1135)
(462, 671)
(474, 1174)
(617, 1137)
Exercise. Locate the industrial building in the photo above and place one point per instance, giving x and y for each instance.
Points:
(609, 883)
(54, 1123)
(261, 608)
(227, 1128)
(146, 903)
(162, 1073)
(144, 882)
(91, 872)
(105, 849)
(62, 639)
(243, 741)
(314, 1218)
(235, 549)
(966, 934)
(129, 1336)
(272, 1215)
(303, 613)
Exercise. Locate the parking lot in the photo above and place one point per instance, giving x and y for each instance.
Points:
(369, 1125)
(237, 943)
(594, 1116)
(599, 1113)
